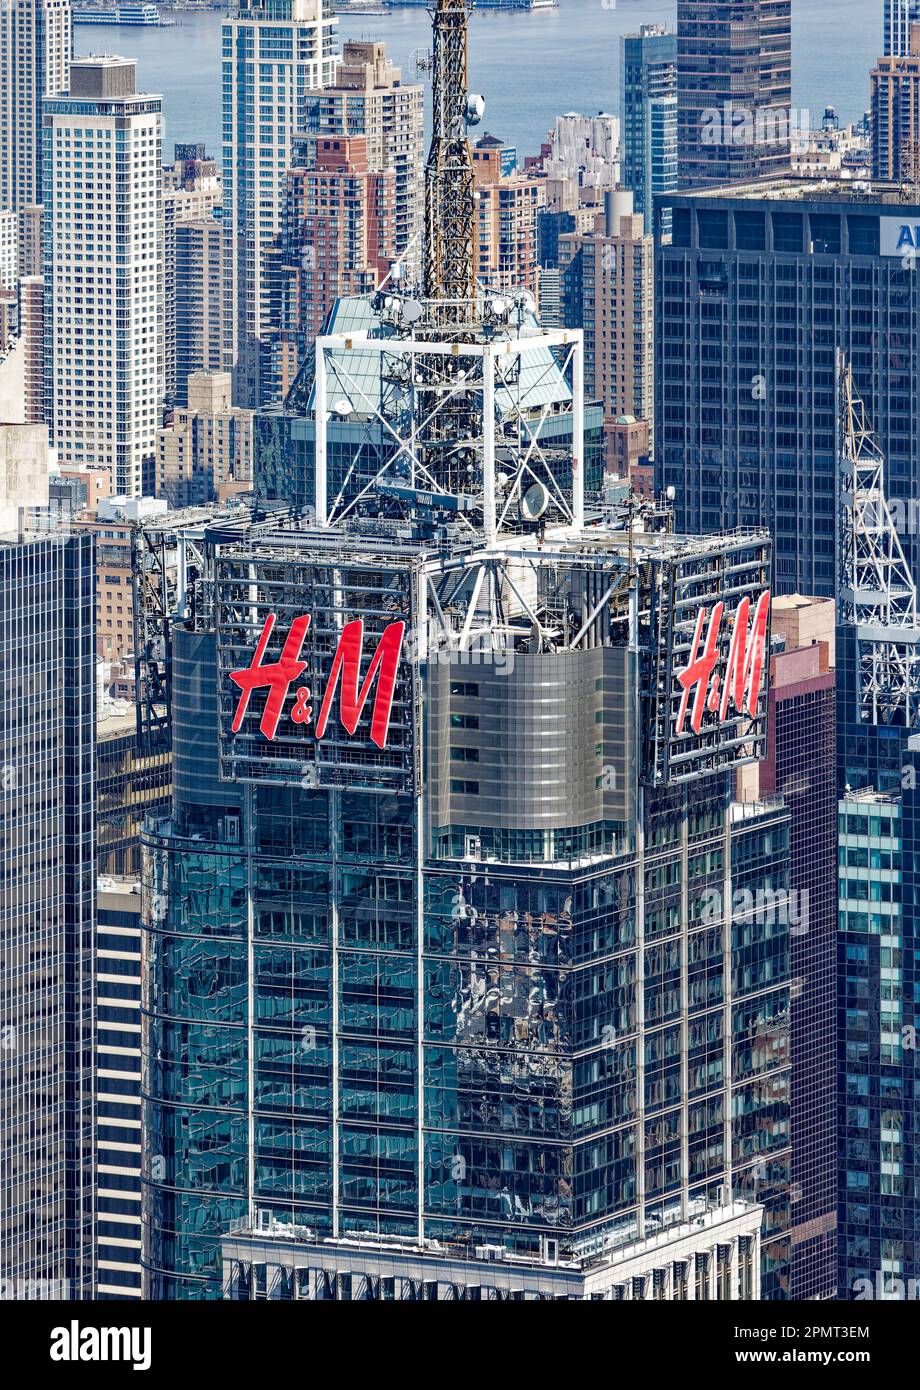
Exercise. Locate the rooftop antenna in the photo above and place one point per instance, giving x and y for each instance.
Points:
(449, 275)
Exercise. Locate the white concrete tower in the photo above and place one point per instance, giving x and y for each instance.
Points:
(104, 271)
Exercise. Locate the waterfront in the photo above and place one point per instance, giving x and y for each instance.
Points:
(530, 66)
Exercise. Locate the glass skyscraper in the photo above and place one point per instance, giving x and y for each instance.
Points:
(47, 834)
(759, 288)
(648, 115)
(501, 1006)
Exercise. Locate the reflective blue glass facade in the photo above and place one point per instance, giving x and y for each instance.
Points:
(359, 1037)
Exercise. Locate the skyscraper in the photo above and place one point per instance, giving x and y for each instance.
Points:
(894, 115)
(35, 50)
(205, 452)
(800, 768)
(47, 829)
(104, 272)
(454, 947)
(197, 319)
(745, 412)
(508, 200)
(118, 1088)
(192, 280)
(734, 94)
(370, 98)
(609, 293)
(338, 239)
(898, 17)
(274, 53)
(648, 114)
(760, 291)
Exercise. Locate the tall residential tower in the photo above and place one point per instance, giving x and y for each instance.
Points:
(274, 53)
(734, 90)
(35, 50)
(648, 114)
(104, 272)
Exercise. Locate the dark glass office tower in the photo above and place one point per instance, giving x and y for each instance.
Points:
(475, 986)
(758, 290)
(458, 947)
(47, 824)
(755, 292)
(878, 1011)
(734, 93)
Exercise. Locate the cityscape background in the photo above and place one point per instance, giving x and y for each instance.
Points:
(459, 815)
(533, 65)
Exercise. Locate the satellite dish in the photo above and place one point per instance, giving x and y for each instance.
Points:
(534, 502)
(411, 311)
(475, 106)
(342, 407)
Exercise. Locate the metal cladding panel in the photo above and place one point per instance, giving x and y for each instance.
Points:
(323, 644)
(540, 741)
(707, 663)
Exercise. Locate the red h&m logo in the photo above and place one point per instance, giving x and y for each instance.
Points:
(742, 675)
(278, 676)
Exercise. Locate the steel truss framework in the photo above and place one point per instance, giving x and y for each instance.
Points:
(165, 561)
(517, 593)
(481, 474)
(170, 555)
(877, 593)
(450, 205)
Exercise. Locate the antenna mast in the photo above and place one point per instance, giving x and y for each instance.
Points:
(449, 274)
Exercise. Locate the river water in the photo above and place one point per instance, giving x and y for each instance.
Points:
(530, 67)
